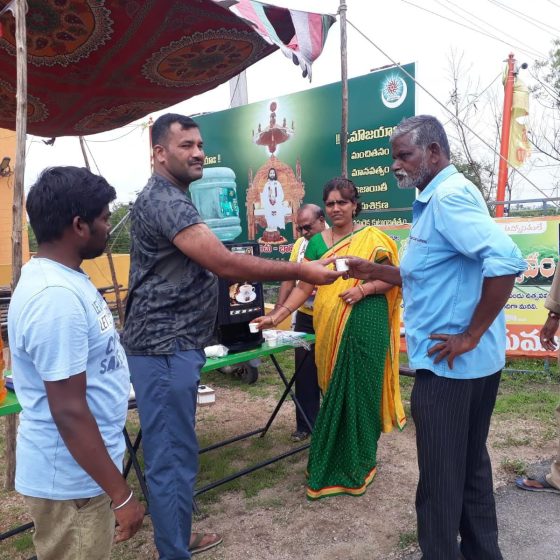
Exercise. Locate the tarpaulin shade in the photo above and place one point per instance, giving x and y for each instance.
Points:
(95, 65)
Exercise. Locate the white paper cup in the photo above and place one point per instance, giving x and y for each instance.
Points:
(254, 327)
(341, 265)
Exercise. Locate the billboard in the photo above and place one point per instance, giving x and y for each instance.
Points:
(539, 242)
(283, 151)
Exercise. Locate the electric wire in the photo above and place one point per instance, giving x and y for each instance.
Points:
(91, 154)
(444, 107)
(476, 18)
(550, 91)
(136, 127)
(468, 27)
(531, 20)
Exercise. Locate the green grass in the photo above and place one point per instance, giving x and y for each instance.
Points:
(532, 395)
(219, 463)
(407, 539)
(515, 467)
(23, 542)
(522, 396)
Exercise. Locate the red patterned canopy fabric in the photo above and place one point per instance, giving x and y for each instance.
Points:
(95, 65)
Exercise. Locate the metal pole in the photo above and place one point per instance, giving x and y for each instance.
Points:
(238, 90)
(344, 79)
(504, 145)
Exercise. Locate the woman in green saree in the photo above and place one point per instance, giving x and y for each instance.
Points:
(357, 329)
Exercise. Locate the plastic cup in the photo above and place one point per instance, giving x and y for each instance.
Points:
(254, 327)
(270, 337)
(341, 265)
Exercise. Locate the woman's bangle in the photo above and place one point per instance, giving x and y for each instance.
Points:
(554, 315)
(125, 502)
(374, 289)
(362, 290)
(285, 307)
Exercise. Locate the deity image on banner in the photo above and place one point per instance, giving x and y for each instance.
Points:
(275, 192)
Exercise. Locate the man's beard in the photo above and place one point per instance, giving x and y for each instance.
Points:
(421, 178)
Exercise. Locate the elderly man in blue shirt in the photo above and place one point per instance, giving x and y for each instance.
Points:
(457, 273)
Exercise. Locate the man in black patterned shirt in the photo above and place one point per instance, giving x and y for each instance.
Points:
(170, 314)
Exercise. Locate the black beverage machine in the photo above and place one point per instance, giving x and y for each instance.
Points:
(239, 302)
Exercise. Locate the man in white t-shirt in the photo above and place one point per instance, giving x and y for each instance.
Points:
(70, 376)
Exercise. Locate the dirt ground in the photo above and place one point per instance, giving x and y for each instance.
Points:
(279, 523)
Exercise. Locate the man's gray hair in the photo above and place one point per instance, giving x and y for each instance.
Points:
(424, 130)
(317, 210)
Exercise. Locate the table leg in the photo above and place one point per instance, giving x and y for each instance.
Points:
(133, 460)
(288, 391)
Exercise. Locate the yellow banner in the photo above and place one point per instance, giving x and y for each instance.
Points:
(519, 147)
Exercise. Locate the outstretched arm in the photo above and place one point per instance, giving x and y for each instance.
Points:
(295, 300)
(368, 270)
(202, 246)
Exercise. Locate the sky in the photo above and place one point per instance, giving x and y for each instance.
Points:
(427, 32)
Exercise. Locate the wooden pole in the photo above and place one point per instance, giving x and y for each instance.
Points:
(504, 145)
(150, 126)
(17, 205)
(118, 300)
(86, 160)
(344, 80)
(108, 252)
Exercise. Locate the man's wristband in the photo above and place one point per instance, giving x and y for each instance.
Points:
(125, 502)
(554, 315)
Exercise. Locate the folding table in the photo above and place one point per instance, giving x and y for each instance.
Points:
(12, 406)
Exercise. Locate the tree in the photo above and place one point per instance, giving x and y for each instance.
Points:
(470, 108)
(119, 241)
(545, 136)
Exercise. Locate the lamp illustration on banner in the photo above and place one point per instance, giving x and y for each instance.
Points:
(5, 170)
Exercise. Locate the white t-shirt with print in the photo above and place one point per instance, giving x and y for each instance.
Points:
(59, 326)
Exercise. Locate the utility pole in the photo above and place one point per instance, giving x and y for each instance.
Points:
(504, 145)
(344, 79)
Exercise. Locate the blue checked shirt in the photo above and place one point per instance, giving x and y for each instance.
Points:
(453, 245)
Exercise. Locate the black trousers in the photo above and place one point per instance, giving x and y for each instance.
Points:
(455, 494)
(307, 387)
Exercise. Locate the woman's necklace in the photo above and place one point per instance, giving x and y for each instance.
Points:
(349, 241)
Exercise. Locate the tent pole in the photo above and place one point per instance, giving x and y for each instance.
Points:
(86, 160)
(108, 252)
(344, 79)
(17, 205)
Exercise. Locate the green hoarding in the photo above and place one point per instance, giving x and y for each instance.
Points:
(298, 136)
